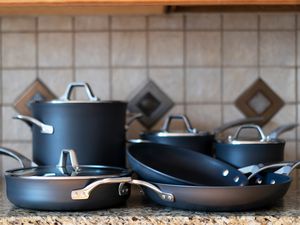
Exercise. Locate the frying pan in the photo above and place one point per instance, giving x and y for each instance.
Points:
(270, 188)
(193, 139)
(173, 165)
(50, 187)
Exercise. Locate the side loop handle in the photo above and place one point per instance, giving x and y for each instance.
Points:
(249, 126)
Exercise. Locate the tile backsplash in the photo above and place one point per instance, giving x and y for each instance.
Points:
(202, 62)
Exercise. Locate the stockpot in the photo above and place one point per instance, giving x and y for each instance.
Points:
(95, 128)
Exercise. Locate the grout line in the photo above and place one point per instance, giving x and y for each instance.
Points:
(36, 36)
(73, 39)
(147, 49)
(258, 46)
(184, 65)
(222, 66)
(110, 72)
(296, 82)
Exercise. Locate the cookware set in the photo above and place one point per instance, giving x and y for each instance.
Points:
(79, 157)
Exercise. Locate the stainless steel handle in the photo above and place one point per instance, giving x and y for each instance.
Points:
(66, 96)
(166, 125)
(63, 159)
(163, 195)
(285, 165)
(281, 129)
(238, 122)
(45, 128)
(24, 162)
(84, 193)
(235, 139)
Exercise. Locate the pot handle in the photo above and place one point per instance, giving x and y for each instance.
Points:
(235, 138)
(84, 193)
(166, 125)
(64, 156)
(66, 96)
(281, 129)
(45, 128)
(286, 168)
(23, 161)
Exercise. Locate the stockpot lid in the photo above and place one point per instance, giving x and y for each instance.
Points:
(165, 130)
(63, 171)
(66, 97)
(263, 139)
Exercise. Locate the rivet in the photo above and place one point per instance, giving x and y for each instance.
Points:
(225, 173)
(236, 179)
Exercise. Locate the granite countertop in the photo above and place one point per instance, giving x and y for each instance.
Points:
(139, 210)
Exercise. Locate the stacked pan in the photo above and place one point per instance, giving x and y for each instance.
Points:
(199, 181)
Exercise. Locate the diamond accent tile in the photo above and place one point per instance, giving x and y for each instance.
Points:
(35, 92)
(152, 102)
(259, 100)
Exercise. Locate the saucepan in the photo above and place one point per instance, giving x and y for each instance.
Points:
(95, 128)
(243, 152)
(193, 139)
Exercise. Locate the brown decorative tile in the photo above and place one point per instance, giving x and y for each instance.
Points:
(152, 102)
(36, 92)
(259, 100)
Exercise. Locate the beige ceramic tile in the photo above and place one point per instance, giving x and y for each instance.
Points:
(231, 113)
(127, 82)
(56, 80)
(236, 81)
(55, 23)
(128, 48)
(298, 83)
(273, 21)
(91, 49)
(240, 21)
(169, 22)
(165, 48)
(203, 48)
(98, 79)
(18, 23)
(134, 130)
(14, 130)
(204, 117)
(25, 148)
(128, 22)
(170, 81)
(290, 151)
(91, 23)
(277, 48)
(286, 115)
(176, 125)
(209, 21)
(15, 82)
(240, 48)
(282, 81)
(55, 49)
(203, 86)
(18, 50)
(298, 47)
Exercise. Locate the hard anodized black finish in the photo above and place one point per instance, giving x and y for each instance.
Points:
(234, 198)
(240, 155)
(55, 195)
(198, 143)
(95, 130)
(168, 164)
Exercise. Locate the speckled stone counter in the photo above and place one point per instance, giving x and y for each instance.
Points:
(140, 211)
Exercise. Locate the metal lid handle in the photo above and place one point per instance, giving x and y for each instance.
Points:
(248, 126)
(64, 156)
(166, 125)
(66, 96)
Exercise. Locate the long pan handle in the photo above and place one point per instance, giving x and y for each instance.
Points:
(24, 162)
(281, 129)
